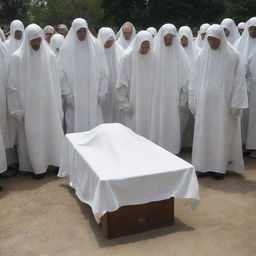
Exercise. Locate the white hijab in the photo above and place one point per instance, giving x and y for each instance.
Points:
(39, 93)
(199, 42)
(152, 31)
(241, 25)
(113, 56)
(231, 26)
(72, 57)
(245, 45)
(13, 44)
(56, 42)
(191, 49)
(122, 41)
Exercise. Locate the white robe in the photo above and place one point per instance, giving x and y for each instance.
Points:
(34, 94)
(171, 76)
(134, 85)
(13, 44)
(83, 77)
(217, 89)
(121, 39)
(3, 164)
(110, 108)
(245, 46)
(233, 31)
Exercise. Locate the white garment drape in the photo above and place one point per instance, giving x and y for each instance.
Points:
(217, 95)
(233, 31)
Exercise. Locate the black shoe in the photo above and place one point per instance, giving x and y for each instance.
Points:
(1, 188)
(218, 176)
(203, 174)
(38, 176)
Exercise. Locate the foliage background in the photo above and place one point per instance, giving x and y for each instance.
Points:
(113, 13)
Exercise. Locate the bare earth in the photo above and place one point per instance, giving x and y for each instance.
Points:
(45, 218)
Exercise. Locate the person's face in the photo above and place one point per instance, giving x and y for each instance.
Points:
(203, 36)
(127, 32)
(62, 31)
(36, 43)
(168, 39)
(184, 41)
(81, 34)
(252, 31)
(214, 42)
(18, 35)
(109, 43)
(241, 30)
(227, 32)
(48, 37)
(144, 48)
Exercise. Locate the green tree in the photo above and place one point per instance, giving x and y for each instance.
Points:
(44, 12)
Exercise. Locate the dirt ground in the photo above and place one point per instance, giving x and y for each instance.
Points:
(44, 217)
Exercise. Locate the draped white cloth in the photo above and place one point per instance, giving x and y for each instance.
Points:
(152, 31)
(251, 82)
(56, 42)
(34, 96)
(199, 42)
(4, 121)
(84, 78)
(171, 75)
(217, 95)
(110, 108)
(191, 50)
(111, 166)
(121, 39)
(134, 85)
(3, 164)
(246, 44)
(241, 25)
(13, 44)
(233, 31)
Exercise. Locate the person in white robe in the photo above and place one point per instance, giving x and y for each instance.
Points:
(16, 37)
(84, 78)
(241, 27)
(3, 163)
(201, 35)
(126, 35)
(152, 31)
(171, 76)
(113, 53)
(217, 96)
(245, 46)
(56, 42)
(230, 30)
(192, 51)
(34, 101)
(48, 33)
(135, 83)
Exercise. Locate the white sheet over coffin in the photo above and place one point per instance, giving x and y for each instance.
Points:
(111, 166)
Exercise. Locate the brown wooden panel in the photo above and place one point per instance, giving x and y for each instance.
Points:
(138, 218)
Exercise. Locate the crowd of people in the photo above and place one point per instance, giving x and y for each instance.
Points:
(169, 86)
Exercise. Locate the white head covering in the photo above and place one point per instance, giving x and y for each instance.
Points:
(49, 29)
(13, 44)
(191, 49)
(231, 26)
(121, 40)
(56, 42)
(241, 25)
(152, 31)
(40, 98)
(2, 35)
(212, 63)
(113, 55)
(3, 104)
(171, 75)
(75, 57)
(245, 45)
(199, 42)
(136, 75)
